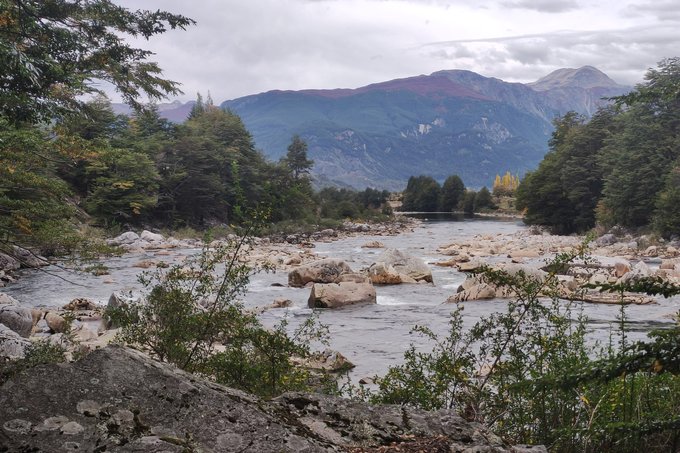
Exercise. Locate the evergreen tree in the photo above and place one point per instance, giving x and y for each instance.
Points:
(198, 108)
(124, 186)
(53, 51)
(564, 191)
(667, 213)
(469, 202)
(640, 155)
(452, 193)
(421, 194)
(296, 158)
(483, 201)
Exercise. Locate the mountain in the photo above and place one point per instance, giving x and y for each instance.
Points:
(585, 77)
(448, 122)
(175, 111)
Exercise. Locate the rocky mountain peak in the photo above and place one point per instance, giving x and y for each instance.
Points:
(584, 77)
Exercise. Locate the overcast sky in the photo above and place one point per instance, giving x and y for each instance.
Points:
(241, 47)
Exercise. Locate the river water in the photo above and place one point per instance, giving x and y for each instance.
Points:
(371, 336)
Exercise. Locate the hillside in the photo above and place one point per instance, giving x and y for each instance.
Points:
(444, 123)
(448, 122)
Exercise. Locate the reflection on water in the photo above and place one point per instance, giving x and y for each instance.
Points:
(371, 336)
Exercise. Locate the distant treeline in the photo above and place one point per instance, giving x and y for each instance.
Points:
(143, 170)
(621, 167)
(424, 194)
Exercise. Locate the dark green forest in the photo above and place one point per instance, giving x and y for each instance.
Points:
(424, 194)
(621, 167)
(70, 162)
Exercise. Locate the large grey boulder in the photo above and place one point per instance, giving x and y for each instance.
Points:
(14, 316)
(8, 263)
(125, 238)
(12, 345)
(322, 271)
(640, 270)
(335, 295)
(392, 263)
(118, 399)
(151, 237)
(28, 258)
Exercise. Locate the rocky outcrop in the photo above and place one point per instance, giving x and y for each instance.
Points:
(327, 360)
(323, 271)
(350, 289)
(17, 318)
(394, 267)
(8, 263)
(12, 345)
(569, 287)
(98, 404)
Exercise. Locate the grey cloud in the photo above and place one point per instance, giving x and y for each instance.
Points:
(245, 47)
(544, 6)
(667, 10)
(624, 54)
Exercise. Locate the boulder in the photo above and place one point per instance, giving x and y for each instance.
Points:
(56, 322)
(606, 239)
(652, 251)
(12, 345)
(640, 270)
(8, 263)
(621, 268)
(336, 295)
(373, 245)
(514, 269)
(524, 254)
(469, 266)
(29, 259)
(126, 238)
(404, 264)
(382, 274)
(668, 264)
(323, 271)
(151, 237)
(17, 318)
(479, 291)
(328, 360)
(98, 404)
(118, 299)
(6, 299)
(80, 304)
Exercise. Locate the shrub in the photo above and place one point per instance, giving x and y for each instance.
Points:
(192, 317)
(528, 374)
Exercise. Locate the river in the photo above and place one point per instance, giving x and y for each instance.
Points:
(371, 336)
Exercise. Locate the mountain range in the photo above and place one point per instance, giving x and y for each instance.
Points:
(448, 122)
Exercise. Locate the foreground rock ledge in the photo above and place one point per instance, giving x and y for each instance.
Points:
(117, 399)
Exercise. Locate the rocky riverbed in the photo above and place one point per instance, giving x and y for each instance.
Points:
(386, 300)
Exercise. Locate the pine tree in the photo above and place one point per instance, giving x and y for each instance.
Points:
(452, 193)
(296, 158)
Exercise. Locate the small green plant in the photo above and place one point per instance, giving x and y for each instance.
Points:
(192, 317)
(39, 353)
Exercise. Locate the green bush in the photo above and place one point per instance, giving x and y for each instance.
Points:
(192, 317)
(529, 375)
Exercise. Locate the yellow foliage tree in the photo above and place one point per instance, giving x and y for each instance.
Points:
(506, 184)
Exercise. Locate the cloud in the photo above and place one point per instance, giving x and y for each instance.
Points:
(624, 53)
(245, 47)
(544, 6)
(662, 10)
